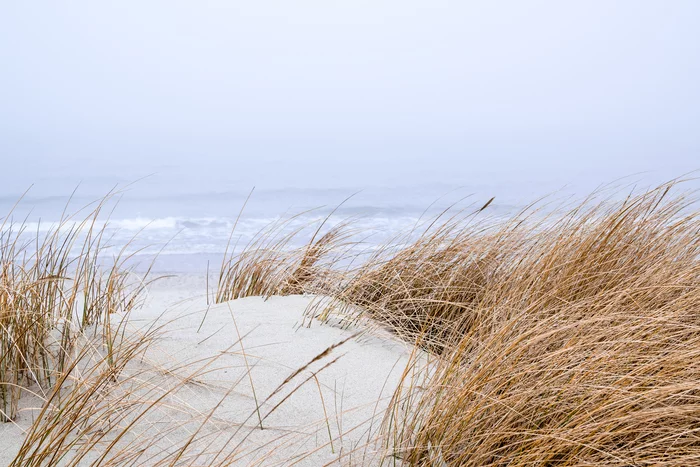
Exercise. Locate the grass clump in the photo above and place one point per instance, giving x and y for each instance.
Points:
(269, 264)
(580, 347)
(429, 288)
(54, 286)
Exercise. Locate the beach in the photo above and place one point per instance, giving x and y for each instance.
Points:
(331, 411)
(470, 339)
(385, 233)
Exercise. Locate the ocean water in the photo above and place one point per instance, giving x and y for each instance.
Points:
(189, 225)
(188, 231)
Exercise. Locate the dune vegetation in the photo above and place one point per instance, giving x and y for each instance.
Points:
(66, 299)
(564, 335)
(56, 285)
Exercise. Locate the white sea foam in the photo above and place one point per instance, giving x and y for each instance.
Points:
(194, 226)
(197, 236)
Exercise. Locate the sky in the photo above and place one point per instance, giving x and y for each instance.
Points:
(217, 94)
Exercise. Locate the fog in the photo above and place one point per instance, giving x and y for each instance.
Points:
(226, 95)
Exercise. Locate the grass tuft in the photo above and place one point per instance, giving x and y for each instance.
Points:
(54, 286)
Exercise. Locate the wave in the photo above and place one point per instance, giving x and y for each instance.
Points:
(204, 232)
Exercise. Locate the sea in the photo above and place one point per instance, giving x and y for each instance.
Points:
(188, 226)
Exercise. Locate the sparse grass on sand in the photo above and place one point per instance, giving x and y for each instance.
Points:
(54, 286)
(566, 336)
(97, 394)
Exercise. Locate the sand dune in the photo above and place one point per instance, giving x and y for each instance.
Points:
(327, 411)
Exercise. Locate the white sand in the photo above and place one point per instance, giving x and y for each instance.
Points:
(346, 398)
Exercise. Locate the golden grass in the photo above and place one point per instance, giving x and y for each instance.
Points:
(569, 337)
(580, 344)
(54, 286)
(268, 266)
(64, 312)
(560, 336)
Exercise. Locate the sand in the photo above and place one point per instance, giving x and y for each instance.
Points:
(329, 412)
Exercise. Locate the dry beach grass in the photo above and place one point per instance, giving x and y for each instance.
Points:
(578, 347)
(115, 394)
(561, 336)
(565, 338)
(53, 287)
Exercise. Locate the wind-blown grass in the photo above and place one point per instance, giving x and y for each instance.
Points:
(568, 337)
(65, 312)
(268, 265)
(578, 347)
(52, 287)
(561, 336)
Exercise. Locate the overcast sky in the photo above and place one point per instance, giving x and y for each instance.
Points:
(348, 93)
